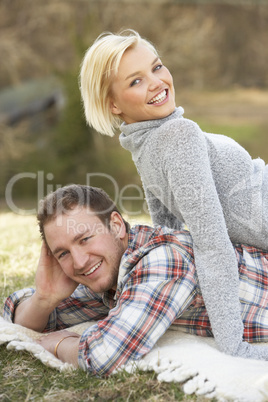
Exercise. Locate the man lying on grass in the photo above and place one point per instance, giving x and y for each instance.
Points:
(136, 282)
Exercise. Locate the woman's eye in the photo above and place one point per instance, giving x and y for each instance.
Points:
(135, 82)
(158, 67)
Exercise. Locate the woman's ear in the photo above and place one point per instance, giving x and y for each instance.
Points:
(114, 109)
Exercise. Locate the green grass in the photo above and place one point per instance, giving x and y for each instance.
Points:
(22, 377)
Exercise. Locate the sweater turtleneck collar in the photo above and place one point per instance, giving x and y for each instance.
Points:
(127, 129)
(132, 135)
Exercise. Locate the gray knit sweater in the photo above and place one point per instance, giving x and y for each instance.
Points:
(211, 184)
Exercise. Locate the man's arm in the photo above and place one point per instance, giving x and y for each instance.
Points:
(63, 344)
(33, 313)
(82, 306)
(67, 351)
(52, 286)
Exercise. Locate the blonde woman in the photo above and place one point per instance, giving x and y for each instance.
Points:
(206, 181)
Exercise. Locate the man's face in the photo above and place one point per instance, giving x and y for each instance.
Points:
(88, 252)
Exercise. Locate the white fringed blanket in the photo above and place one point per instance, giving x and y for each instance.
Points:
(178, 357)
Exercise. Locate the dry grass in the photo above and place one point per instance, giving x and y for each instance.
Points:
(19, 252)
(240, 113)
(236, 106)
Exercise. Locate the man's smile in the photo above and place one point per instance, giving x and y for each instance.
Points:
(93, 269)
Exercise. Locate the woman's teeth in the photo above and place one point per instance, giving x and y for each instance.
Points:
(93, 269)
(159, 98)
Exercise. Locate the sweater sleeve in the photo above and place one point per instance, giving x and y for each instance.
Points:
(159, 213)
(190, 179)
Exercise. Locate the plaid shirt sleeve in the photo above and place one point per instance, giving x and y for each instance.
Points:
(13, 300)
(83, 305)
(253, 292)
(156, 291)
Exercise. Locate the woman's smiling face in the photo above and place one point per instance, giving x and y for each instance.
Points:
(143, 87)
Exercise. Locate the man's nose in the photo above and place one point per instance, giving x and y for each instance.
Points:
(80, 259)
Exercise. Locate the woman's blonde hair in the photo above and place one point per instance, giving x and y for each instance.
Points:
(100, 62)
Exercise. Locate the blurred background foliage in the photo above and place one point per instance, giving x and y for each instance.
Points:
(216, 50)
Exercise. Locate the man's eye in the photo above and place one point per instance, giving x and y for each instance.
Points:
(135, 82)
(85, 239)
(62, 254)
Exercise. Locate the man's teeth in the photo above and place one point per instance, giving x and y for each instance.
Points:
(93, 269)
(159, 98)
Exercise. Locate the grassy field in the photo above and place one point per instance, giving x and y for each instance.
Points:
(22, 378)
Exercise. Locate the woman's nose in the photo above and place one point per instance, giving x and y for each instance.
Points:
(155, 83)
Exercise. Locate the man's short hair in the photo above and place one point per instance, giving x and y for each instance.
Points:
(66, 198)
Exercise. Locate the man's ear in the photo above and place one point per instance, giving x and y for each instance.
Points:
(114, 109)
(117, 225)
